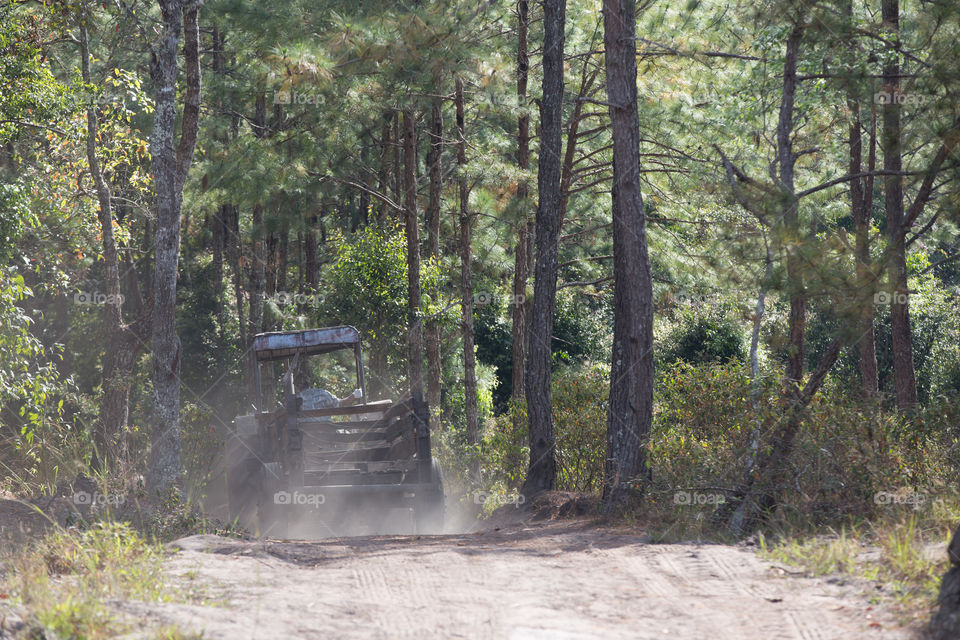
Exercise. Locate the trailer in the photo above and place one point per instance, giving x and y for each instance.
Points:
(304, 457)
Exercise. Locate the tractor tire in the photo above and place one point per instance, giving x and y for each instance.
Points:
(244, 480)
(273, 515)
(429, 508)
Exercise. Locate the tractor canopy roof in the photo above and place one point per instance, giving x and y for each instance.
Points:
(284, 344)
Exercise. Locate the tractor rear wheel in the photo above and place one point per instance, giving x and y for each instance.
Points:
(429, 508)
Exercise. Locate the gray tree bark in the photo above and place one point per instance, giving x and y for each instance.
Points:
(122, 342)
(861, 206)
(904, 375)
(258, 263)
(170, 167)
(383, 176)
(542, 472)
(414, 319)
(433, 249)
(630, 411)
(522, 250)
(466, 281)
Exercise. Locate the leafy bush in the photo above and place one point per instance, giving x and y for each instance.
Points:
(65, 579)
(845, 455)
(701, 336)
(580, 396)
(935, 326)
(31, 391)
(580, 418)
(707, 427)
(366, 286)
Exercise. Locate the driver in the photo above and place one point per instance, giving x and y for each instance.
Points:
(315, 398)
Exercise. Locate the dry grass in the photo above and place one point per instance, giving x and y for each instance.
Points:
(903, 552)
(63, 581)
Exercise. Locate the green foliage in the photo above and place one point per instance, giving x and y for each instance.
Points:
(581, 334)
(29, 93)
(367, 287)
(451, 446)
(703, 336)
(505, 449)
(29, 381)
(580, 397)
(580, 416)
(15, 215)
(65, 579)
(845, 456)
(935, 325)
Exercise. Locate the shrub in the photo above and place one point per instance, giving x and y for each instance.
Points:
(703, 336)
(710, 421)
(580, 396)
(65, 579)
(580, 419)
(846, 453)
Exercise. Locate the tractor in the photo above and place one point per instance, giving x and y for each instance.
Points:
(305, 458)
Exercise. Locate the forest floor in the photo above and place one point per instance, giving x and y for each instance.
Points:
(562, 579)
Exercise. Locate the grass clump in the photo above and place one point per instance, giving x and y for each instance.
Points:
(903, 553)
(63, 580)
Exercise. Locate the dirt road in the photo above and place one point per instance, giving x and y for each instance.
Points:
(560, 580)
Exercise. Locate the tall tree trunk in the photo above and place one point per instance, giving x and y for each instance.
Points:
(861, 206)
(219, 229)
(170, 167)
(258, 257)
(466, 281)
(904, 376)
(383, 177)
(234, 249)
(283, 258)
(415, 325)
(736, 520)
(433, 249)
(310, 266)
(542, 472)
(272, 254)
(258, 261)
(364, 203)
(630, 411)
(398, 169)
(757, 494)
(521, 270)
(219, 241)
(120, 349)
(786, 161)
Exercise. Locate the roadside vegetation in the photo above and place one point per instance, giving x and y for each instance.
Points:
(707, 279)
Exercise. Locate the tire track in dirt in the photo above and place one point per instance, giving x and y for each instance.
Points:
(720, 588)
(804, 628)
(722, 560)
(564, 580)
(653, 581)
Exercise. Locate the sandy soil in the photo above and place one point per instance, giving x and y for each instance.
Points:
(568, 579)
